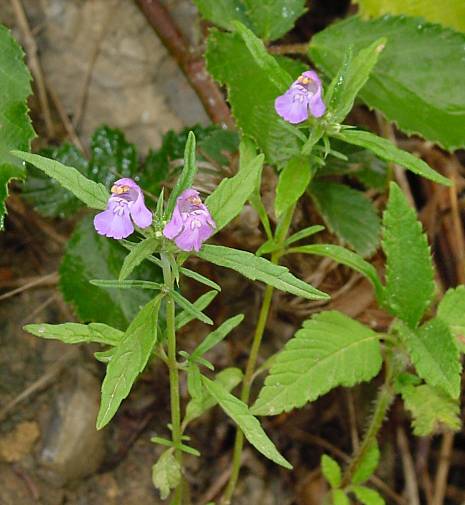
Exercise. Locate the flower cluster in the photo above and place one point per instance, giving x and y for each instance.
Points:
(301, 99)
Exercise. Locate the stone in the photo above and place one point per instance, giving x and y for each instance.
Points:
(18, 443)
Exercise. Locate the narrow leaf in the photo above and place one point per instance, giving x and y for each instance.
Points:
(304, 233)
(111, 284)
(331, 470)
(367, 466)
(190, 308)
(186, 316)
(137, 255)
(200, 278)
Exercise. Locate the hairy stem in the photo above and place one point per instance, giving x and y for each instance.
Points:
(173, 374)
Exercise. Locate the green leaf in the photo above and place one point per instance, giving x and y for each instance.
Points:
(292, 183)
(330, 350)
(137, 255)
(339, 497)
(186, 179)
(117, 284)
(331, 470)
(190, 308)
(201, 303)
(223, 13)
(252, 89)
(435, 355)
(348, 258)
(15, 125)
(273, 18)
(249, 425)
(92, 194)
(449, 13)
(89, 256)
(229, 198)
(199, 278)
(349, 214)
(431, 409)
(166, 473)
(386, 150)
(351, 78)
(129, 359)
(367, 466)
(260, 269)
(75, 333)
(303, 233)
(368, 496)
(216, 336)
(420, 89)
(451, 310)
(409, 269)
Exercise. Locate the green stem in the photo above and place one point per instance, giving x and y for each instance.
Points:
(173, 373)
(280, 235)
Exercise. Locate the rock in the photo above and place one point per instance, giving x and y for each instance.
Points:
(72, 447)
(19, 442)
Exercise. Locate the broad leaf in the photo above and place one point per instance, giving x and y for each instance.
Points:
(367, 466)
(137, 255)
(409, 269)
(435, 355)
(186, 316)
(431, 409)
(331, 470)
(339, 497)
(368, 496)
(166, 473)
(249, 425)
(451, 310)
(223, 13)
(330, 350)
(15, 126)
(349, 214)
(128, 361)
(75, 333)
(260, 269)
(420, 89)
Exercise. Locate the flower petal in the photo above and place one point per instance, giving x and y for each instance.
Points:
(175, 225)
(139, 212)
(113, 224)
(292, 108)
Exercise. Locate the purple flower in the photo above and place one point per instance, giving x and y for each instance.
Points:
(301, 99)
(191, 223)
(125, 205)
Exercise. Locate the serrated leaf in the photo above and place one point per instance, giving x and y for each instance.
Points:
(367, 466)
(88, 256)
(249, 425)
(447, 13)
(15, 125)
(252, 89)
(190, 307)
(137, 255)
(331, 470)
(76, 333)
(166, 473)
(386, 150)
(223, 13)
(409, 269)
(348, 258)
(451, 310)
(330, 350)
(94, 195)
(435, 355)
(368, 496)
(201, 303)
(129, 359)
(260, 269)
(349, 214)
(431, 409)
(292, 183)
(339, 497)
(420, 89)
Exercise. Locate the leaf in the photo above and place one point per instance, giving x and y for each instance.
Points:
(451, 310)
(117, 284)
(186, 179)
(252, 88)
(88, 256)
(75, 333)
(386, 150)
(92, 194)
(223, 13)
(339, 497)
(249, 425)
(292, 183)
(367, 466)
(229, 198)
(330, 350)
(368, 496)
(331, 470)
(431, 409)
(449, 13)
(216, 336)
(15, 125)
(303, 233)
(201, 303)
(260, 269)
(349, 214)
(137, 255)
(435, 355)
(274, 18)
(420, 89)
(348, 258)
(166, 473)
(190, 308)
(129, 359)
(199, 278)
(409, 269)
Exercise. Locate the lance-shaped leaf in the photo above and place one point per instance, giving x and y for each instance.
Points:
(190, 307)
(368, 496)
(137, 255)
(331, 471)
(260, 269)
(330, 350)
(451, 310)
(367, 465)
(186, 316)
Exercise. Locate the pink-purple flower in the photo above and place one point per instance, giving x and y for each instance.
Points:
(301, 99)
(125, 206)
(191, 223)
